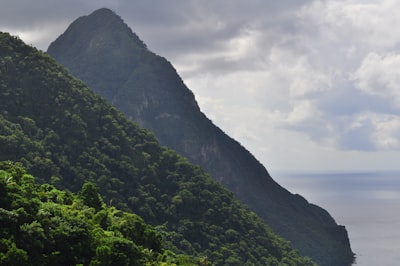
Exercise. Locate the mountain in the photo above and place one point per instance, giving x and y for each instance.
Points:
(66, 135)
(101, 50)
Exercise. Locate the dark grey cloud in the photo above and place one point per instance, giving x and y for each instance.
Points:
(26, 14)
(168, 27)
(358, 138)
(355, 120)
(345, 100)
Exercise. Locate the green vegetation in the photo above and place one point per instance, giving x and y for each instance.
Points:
(101, 50)
(65, 135)
(42, 225)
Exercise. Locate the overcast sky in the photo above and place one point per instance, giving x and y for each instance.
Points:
(304, 85)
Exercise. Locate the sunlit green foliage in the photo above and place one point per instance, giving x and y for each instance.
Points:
(45, 226)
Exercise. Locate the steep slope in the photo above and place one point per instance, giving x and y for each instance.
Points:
(65, 134)
(101, 50)
(41, 226)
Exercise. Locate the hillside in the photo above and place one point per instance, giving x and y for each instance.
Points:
(101, 50)
(64, 134)
(42, 225)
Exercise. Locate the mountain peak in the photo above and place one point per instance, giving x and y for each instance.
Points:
(104, 12)
(147, 89)
(101, 25)
(104, 39)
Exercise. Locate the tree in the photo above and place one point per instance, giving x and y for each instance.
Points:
(91, 197)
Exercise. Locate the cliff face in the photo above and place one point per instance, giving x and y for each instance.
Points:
(101, 50)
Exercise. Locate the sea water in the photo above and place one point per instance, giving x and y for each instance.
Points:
(368, 204)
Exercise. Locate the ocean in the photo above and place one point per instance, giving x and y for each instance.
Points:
(367, 204)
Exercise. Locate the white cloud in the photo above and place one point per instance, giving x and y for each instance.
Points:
(41, 35)
(380, 75)
(301, 78)
(387, 132)
(370, 22)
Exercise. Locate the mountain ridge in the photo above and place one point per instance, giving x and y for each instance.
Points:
(66, 135)
(146, 88)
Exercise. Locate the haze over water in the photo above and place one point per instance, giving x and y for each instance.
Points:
(366, 203)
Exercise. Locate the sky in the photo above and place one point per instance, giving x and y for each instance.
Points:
(303, 85)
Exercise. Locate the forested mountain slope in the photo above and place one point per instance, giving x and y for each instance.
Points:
(41, 225)
(66, 135)
(102, 51)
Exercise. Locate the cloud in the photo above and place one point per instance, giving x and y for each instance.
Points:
(299, 83)
(387, 131)
(379, 75)
(370, 22)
